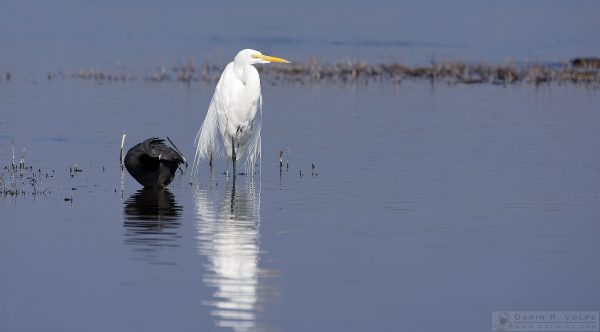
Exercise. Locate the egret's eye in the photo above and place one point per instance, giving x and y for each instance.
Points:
(254, 55)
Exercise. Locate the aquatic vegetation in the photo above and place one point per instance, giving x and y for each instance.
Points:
(354, 71)
(20, 180)
(590, 63)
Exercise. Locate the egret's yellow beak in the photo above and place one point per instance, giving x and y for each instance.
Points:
(269, 58)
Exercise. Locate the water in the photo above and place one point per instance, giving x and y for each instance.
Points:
(426, 201)
(43, 36)
(429, 206)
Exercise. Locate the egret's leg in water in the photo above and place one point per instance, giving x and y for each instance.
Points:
(233, 156)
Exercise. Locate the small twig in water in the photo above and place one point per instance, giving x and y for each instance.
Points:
(121, 160)
(280, 159)
(13, 153)
(22, 162)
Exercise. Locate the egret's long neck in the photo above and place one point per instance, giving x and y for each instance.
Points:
(238, 70)
(247, 74)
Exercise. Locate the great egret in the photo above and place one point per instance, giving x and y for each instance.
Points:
(232, 124)
(152, 163)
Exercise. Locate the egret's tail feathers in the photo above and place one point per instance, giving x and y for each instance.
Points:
(252, 148)
(251, 156)
(206, 142)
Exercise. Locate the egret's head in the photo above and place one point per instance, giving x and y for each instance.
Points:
(252, 57)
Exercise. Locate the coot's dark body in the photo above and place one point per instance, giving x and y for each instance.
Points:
(152, 163)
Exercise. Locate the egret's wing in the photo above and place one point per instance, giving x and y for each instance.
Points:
(207, 139)
(253, 148)
(227, 108)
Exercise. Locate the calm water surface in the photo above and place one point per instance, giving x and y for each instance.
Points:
(41, 36)
(429, 206)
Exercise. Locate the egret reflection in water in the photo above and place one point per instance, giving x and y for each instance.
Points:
(151, 222)
(228, 221)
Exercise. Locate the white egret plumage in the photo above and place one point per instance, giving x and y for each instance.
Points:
(232, 124)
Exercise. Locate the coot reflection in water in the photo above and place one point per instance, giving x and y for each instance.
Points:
(228, 231)
(151, 222)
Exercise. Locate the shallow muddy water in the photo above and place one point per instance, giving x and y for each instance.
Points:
(428, 207)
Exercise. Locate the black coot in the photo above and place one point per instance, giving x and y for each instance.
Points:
(152, 163)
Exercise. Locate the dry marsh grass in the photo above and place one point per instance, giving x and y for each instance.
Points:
(354, 71)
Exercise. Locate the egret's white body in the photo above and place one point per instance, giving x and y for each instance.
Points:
(232, 124)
